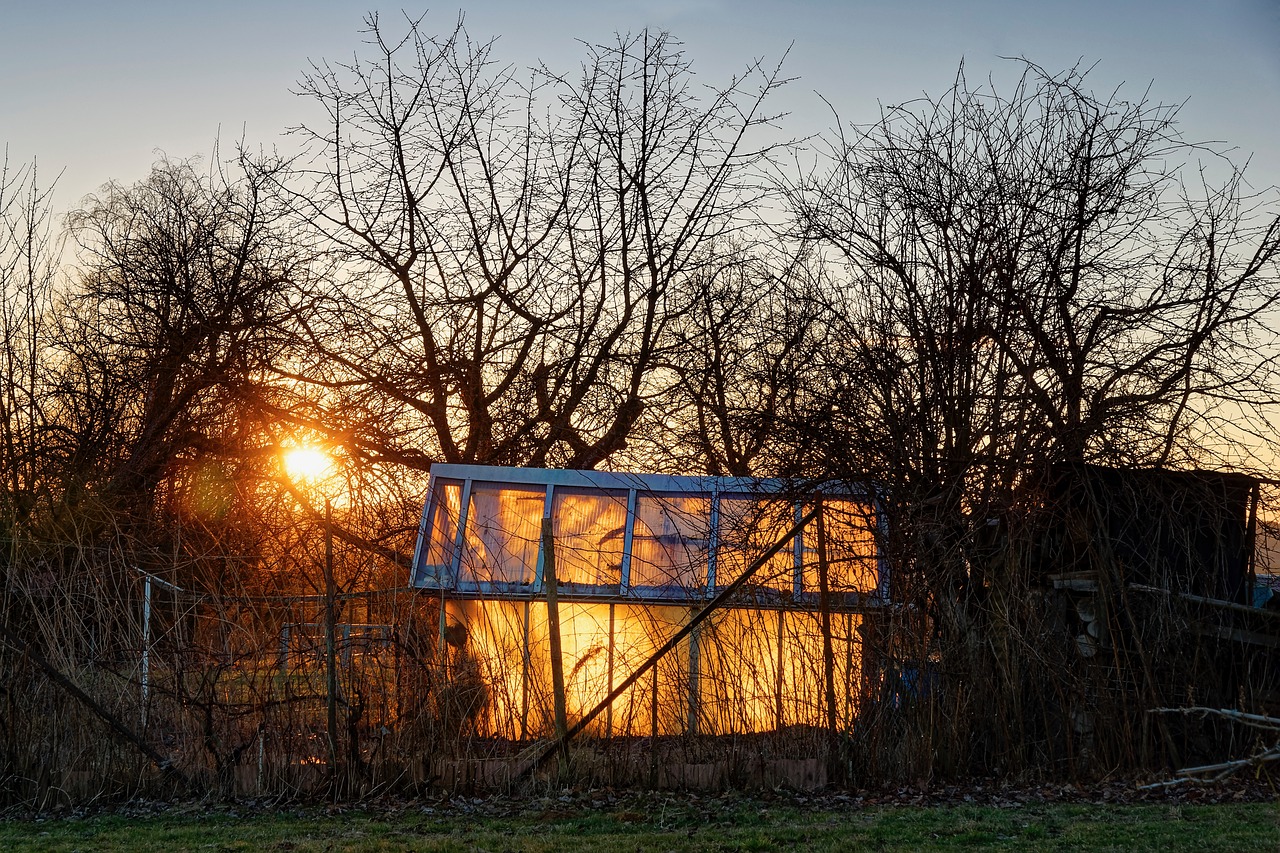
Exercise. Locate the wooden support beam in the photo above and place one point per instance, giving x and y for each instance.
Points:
(828, 650)
(694, 677)
(553, 631)
(609, 664)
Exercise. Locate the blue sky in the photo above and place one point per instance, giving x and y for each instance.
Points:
(95, 89)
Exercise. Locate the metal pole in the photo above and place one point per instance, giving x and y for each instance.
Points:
(148, 581)
(146, 645)
(284, 651)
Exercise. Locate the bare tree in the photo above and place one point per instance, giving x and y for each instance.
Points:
(1036, 277)
(171, 320)
(27, 259)
(512, 248)
(739, 353)
(1039, 277)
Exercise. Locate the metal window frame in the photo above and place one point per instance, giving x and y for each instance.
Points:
(636, 485)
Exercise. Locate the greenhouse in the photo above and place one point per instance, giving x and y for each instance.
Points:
(634, 557)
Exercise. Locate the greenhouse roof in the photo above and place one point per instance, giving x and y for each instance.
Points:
(645, 538)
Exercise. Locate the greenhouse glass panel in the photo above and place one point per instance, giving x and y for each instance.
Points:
(671, 542)
(748, 527)
(852, 560)
(503, 525)
(590, 528)
(645, 537)
(636, 556)
(442, 531)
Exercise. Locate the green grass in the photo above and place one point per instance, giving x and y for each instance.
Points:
(737, 826)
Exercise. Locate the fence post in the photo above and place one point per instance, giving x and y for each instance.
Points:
(524, 675)
(609, 662)
(695, 674)
(330, 648)
(653, 731)
(146, 647)
(553, 629)
(779, 676)
(828, 652)
(284, 650)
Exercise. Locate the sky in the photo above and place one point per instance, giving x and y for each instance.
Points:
(95, 91)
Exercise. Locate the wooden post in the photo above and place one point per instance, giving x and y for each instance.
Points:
(653, 732)
(553, 630)
(828, 652)
(524, 677)
(691, 726)
(779, 714)
(330, 647)
(848, 668)
(608, 720)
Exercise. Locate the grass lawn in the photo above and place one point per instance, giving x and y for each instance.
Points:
(740, 825)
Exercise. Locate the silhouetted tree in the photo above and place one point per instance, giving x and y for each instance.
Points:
(27, 277)
(1029, 278)
(515, 252)
(171, 320)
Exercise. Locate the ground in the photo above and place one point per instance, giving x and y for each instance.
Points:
(1240, 817)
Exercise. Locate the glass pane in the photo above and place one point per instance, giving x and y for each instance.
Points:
(589, 531)
(748, 527)
(503, 526)
(851, 547)
(446, 503)
(669, 544)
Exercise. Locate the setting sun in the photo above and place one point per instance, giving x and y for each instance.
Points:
(307, 463)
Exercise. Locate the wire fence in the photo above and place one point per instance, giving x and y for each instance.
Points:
(1121, 600)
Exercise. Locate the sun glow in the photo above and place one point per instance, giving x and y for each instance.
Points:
(308, 464)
